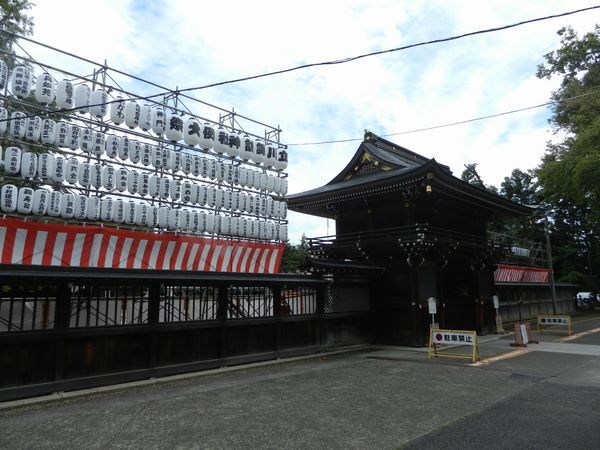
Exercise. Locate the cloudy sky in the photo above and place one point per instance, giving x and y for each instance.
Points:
(193, 43)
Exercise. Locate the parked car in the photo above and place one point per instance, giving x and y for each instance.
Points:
(585, 300)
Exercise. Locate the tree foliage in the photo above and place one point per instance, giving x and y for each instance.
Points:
(14, 20)
(569, 174)
(295, 257)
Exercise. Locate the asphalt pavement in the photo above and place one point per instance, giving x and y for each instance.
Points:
(544, 396)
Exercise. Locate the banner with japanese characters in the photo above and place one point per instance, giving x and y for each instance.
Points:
(448, 337)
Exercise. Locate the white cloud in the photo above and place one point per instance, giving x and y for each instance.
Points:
(188, 43)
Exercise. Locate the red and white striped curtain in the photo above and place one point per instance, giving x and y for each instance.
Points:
(45, 244)
(516, 274)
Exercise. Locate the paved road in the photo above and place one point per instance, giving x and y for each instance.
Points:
(386, 398)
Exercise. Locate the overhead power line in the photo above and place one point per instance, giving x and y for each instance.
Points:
(391, 50)
(451, 124)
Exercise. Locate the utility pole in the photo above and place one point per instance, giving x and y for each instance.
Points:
(549, 251)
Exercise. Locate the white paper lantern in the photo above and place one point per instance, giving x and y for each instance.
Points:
(271, 155)
(48, 134)
(4, 72)
(192, 131)
(195, 219)
(211, 196)
(206, 165)
(220, 173)
(106, 209)
(262, 230)
(271, 183)
(145, 122)
(225, 225)
(16, 125)
(196, 165)
(243, 227)
(283, 233)
(187, 163)
(251, 228)
(12, 160)
(235, 143)
(8, 201)
(235, 226)
(64, 94)
(157, 157)
(277, 185)
(262, 209)
(209, 223)
(121, 179)
(133, 180)
(213, 166)
(80, 207)
(176, 161)
(21, 82)
(143, 184)
(282, 210)
(174, 219)
(123, 147)
(174, 128)
(243, 177)
(96, 176)
(284, 186)
(71, 170)
(282, 159)
(33, 128)
(93, 208)
(262, 181)
(28, 165)
(152, 216)
(186, 191)
(242, 202)
(141, 214)
(62, 134)
(98, 143)
(44, 88)
(207, 138)
(202, 197)
(84, 175)
(25, 201)
(229, 173)
(3, 119)
(46, 166)
(74, 137)
(185, 220)
(219, 197)
(175, 189)
(270, 210)
(270, 231)
(246, 148)
(166, 160)
(118, 211)
(108, 177)
(153, 186)
(117, 111)
(235, 176)
(132, 114)
(251, 176)
(129, 211)
(259, 155)
(66, 207)
(111, 146)
(99, 103)
(163, 188)
(86, 140)
(235, 201)
(60, 169)
(195, 191)
(227, 199)
(163, 216)
(82, 98)
(201, 221)
(221, 140)
(135, 151)
(146, 157)
(158, 121)
(41, 197)
(54, 204)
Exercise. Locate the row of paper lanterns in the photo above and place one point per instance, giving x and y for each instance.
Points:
(41, 202)
(82, 99)
(145, 184)
(59, 169)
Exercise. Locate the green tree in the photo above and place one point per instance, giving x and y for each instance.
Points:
(14, 20)
(569, 173)
(295, 257)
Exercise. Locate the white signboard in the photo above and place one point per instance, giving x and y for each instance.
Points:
(554, 320)
(452, 337)
(524, 334)
(431, 304)
(496, 302)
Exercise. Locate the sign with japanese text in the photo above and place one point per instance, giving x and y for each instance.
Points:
(453, 337)
(439, 340)
(548, 320)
